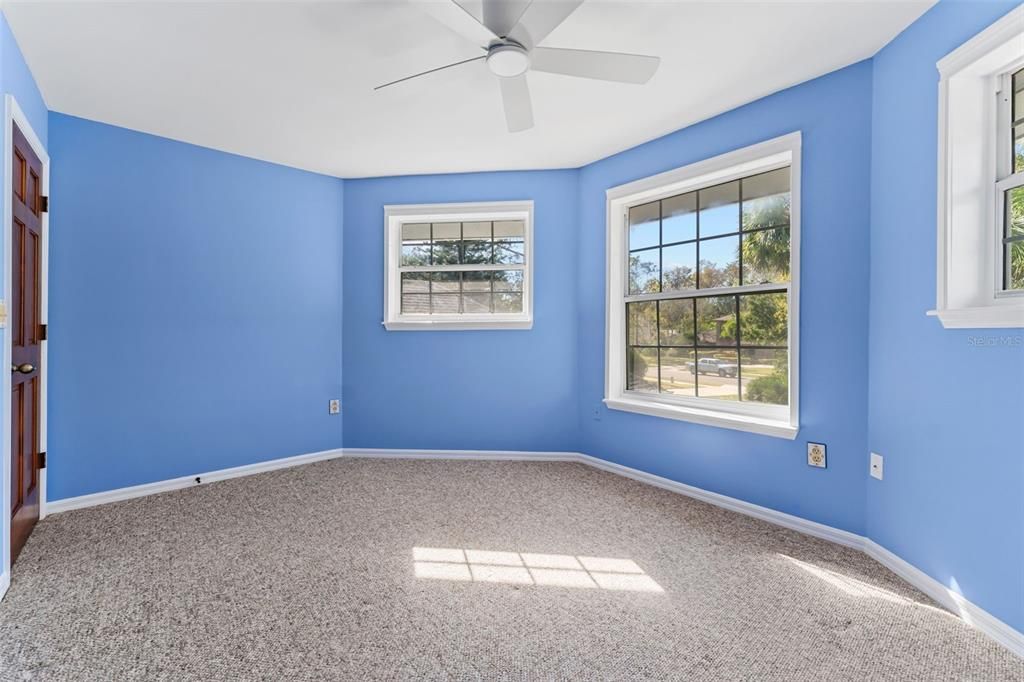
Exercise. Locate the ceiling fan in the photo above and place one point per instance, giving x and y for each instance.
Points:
(509, 33)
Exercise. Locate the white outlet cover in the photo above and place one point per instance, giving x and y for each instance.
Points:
(876, 465)
(334, 407)
(817, 455)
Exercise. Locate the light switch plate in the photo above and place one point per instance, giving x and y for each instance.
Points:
(876, 465)
(816, 455)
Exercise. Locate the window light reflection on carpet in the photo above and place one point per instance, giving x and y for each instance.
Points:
(527, 568)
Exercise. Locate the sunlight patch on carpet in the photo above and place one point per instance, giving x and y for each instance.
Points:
(529, 568)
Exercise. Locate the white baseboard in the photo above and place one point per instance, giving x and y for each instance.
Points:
(484, 455)
(5, 582)
(971, 613)
(94, 499)
(818, 530)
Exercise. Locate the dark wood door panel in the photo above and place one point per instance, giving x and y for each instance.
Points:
(25, 312)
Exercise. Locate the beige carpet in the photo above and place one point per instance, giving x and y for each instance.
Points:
(373, 569)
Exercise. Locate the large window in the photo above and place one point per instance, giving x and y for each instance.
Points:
(458, 266)
(1010, 186)
(980, 246)
(702, 295)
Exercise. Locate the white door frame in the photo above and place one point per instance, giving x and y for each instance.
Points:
(13, 114)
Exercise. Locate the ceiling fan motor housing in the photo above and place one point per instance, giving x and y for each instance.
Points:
(508, 59)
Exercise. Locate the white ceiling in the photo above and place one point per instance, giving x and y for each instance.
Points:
(292, 82)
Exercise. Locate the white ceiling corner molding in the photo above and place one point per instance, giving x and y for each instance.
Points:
(322, 61)
(971, 166)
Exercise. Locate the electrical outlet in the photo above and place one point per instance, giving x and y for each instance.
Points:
(816, 455)
(335, 406)
(876, 465)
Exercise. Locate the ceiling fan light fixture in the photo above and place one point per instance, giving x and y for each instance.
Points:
(508, 60)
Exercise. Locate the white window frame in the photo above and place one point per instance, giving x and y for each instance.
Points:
(397, 215)
(773, 420)
(973, 172)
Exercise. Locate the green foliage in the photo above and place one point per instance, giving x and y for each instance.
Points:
(766, 252)
(772, 389)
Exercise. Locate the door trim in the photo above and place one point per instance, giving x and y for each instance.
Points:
(14, 115)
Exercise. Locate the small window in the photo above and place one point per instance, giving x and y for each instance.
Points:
(458, 266)
(702, 291)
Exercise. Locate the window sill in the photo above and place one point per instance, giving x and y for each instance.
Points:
(751, 424)
(987, 317)
(455, 325)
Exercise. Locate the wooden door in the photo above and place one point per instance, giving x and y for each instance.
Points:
(26, 336)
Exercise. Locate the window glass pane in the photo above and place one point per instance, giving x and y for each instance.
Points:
(476, 302)
(416, 244)
(717, 374)
(643, 226)
(766, 256)
(478, 230)
(679, 267)
(719, 262)
(764, 319)
(716, 321)
(1015, 265)
(645, 272)
(766, 199)
(476, 281)
(476, 243)
(509, 252)
(505, 303)
(675, 322)
(642, 323)
(446, 243)
(1015, 212)
(508, 280)
(642, 369)
(415, 282)
(679, 218)
(676, 372)
(765, 376)
(416, 232)
(415, 304)
(445, 282)
(444, 304)
(510, 229)
(720, 209)
(1018, 120)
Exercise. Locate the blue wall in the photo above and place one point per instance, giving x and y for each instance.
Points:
(834, 115)
(212, 284)
(500, 390)
(16, 80)
(946, 412)
(195, 309)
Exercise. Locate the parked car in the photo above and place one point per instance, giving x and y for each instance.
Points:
(713, 366)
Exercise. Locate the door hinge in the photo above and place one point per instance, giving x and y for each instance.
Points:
(42, 332)
(42, 460)
(44, 204)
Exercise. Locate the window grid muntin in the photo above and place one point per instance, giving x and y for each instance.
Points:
(696, 347)
(735, 291)
(463, 267)
(739, 233)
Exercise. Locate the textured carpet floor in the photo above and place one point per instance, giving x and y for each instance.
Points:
(309, 574)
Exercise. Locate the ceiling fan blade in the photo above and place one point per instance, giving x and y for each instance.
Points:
(606, 66)
(501, 15)
(424, 73)
(515, 94)
(457, 18)
(540, 19)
